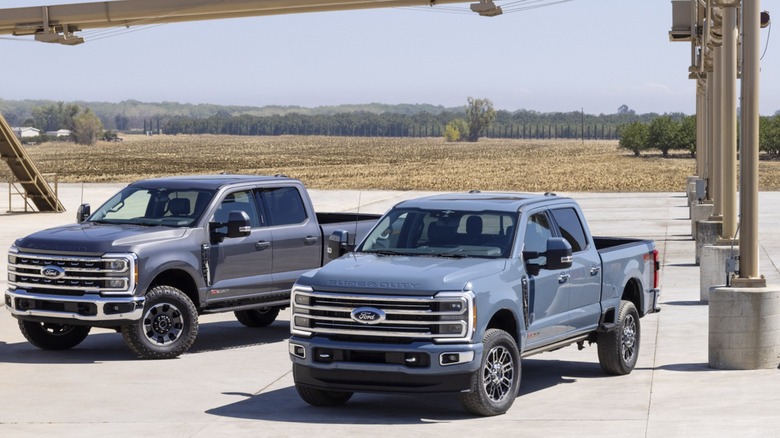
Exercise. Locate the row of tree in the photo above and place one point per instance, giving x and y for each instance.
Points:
(84, 125)
(664, 133)
(417, 120)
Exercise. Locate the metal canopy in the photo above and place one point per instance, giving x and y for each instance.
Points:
(57, 23)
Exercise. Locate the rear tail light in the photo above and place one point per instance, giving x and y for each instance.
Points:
(656, 268)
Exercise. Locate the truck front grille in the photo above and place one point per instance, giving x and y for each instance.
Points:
(447, 316)
(112, 274)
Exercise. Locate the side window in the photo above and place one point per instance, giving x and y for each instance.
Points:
(571, 228)
(243, 201)
(536, 234)
(283, 206)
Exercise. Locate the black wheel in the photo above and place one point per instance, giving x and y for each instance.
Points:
(321, 397)
(257, 317)
(619, 349)
(168, 326)
(495, 384)
(53, 336)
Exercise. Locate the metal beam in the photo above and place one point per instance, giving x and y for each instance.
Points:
(82, 16)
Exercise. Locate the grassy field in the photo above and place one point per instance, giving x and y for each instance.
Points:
(382, 163)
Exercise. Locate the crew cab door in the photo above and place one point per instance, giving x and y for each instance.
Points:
(240, 266)
(297, 238)
(584, 276)
(548, 298)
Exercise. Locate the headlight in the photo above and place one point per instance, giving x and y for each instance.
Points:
(116, 265)
(12, 255)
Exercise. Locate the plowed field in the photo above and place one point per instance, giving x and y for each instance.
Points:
(381, 163)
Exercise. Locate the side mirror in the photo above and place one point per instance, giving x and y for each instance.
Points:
(82, 213)
(238, 224)
(558, 254)
(338, 244)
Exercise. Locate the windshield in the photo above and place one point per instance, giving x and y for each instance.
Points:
(445, 233)
(154, 207)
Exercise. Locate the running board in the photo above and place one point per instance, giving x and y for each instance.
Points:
(556, 345)
(256, 305)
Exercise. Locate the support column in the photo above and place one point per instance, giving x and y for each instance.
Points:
(744, 318)
(716, 181)
(728, 125)
(748, 236)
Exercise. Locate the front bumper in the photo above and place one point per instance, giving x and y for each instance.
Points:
(372, 367)
(91, 308)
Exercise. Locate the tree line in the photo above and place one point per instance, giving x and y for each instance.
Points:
(635, 132)
(665, 133)
(408, 120)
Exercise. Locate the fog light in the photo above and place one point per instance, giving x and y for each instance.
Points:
(298, 351)
(455, 358)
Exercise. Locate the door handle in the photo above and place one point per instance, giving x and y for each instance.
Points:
(261, 245)
(563, 278)
(595, 269)
(310, 240)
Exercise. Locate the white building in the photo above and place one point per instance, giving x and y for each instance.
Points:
(26, 131)
(58, 133)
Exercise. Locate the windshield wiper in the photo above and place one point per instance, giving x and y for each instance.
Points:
(451, 255)
(385, 252)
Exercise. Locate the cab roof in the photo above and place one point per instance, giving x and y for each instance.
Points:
(207, 182)
(478, 201)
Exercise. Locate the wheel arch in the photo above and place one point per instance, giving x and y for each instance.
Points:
(505, 320)
(180, 279)
(632, 291)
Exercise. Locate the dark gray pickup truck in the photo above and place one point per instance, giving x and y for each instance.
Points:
(447, 294)
(162, 251)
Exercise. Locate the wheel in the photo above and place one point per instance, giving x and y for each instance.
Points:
(53, 336)
(495, 384)
(168, 326)
(619, 349)
(321, 397)
(257, 317)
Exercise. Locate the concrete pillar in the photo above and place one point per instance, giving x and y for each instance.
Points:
(712, 267)
(700, 212)
(744, 328)
(707, 233)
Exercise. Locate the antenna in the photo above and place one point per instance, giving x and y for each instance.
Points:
(357, 216)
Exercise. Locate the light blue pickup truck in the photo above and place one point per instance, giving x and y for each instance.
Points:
(447, 293)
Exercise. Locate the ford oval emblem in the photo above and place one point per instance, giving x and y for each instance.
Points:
(368, 315)
(53, 272)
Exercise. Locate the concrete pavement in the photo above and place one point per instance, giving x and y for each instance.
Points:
(237, 381)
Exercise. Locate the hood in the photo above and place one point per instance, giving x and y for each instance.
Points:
(95, 239)
(400, 275)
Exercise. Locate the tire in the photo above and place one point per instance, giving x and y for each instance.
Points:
(619, 349)
(53, 336)
(321, 397)
(168, 327)
(495, 384)
(257, 317)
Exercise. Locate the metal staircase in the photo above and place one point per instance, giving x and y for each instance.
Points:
(28, 181)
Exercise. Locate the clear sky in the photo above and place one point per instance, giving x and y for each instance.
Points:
(594, 55)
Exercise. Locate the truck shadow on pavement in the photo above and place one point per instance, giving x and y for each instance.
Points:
(108, 346)
(284, 405)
